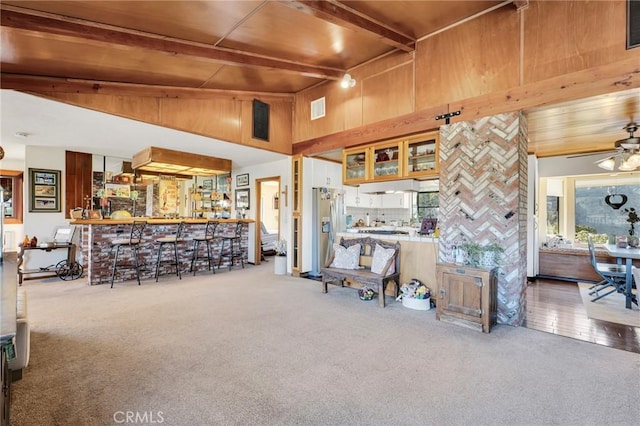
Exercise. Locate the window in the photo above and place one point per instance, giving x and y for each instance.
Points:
(427, 204)
(553, 215)
(11, 181)
(594, 216)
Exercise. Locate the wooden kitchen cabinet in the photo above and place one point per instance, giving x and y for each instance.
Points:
(386, 161)
(467, 296)
(421, 155)
(409, 157)
(355, 165)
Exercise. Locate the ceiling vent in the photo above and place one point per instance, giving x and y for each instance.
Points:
(317, 108)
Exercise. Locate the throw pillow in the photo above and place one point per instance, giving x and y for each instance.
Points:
(380, 257)
(346, 258)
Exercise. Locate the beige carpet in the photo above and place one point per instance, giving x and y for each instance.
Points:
(610, 308)
(247, 347)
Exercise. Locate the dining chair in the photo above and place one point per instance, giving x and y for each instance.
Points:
(613, 276)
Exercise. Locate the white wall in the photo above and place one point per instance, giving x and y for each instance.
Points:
(563, 166)
(281, 168)
(40, 224)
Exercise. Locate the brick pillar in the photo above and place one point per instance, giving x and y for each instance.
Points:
(483, 198)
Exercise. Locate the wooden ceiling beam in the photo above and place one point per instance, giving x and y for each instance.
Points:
(38, 84)
(521, 4)
(339, 14)
(30, 20)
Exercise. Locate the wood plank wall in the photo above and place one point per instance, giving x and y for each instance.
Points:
(478, 67)
(226, 118)
(78, 179)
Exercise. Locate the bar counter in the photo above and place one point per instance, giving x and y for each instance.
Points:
(96, 236)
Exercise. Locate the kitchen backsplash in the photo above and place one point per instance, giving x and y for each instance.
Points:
(386, 215)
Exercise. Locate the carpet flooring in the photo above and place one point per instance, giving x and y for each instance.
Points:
(610, 308)
(247, 347)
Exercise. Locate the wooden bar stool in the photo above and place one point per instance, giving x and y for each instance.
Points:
(235, 247)
(133, 242)
(207, 238)
(173, 241)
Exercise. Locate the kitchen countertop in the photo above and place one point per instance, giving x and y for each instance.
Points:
(386, 236)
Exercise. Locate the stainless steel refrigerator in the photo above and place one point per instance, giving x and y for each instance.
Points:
(328, 218)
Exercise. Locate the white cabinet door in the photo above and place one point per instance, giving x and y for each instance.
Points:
(351, 198)
(324, 174)
(396, 201)
(371, 201)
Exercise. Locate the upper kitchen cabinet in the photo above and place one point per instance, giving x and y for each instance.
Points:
(387, 161)
(355, 165)
(421, 155)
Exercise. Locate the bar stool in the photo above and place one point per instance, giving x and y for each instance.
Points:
(173, 240)
(233, 252)
(133, 242)
(207, 238)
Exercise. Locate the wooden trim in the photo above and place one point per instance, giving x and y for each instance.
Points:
(32, 83)
(17, 195)
(258, 231)
(339, 14)
(25, 19)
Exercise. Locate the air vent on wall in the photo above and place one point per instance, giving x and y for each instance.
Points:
(317, 108)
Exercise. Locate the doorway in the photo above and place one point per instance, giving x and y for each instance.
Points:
(267, 213)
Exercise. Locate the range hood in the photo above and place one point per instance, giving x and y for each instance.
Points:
(170, 162)
(390, 187)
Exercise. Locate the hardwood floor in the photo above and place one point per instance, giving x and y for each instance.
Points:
(556, 307)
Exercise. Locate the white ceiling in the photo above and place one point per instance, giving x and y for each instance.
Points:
(55, 124)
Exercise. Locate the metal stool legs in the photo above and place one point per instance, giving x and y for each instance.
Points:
(176, 261)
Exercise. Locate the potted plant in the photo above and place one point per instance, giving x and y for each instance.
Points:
(482, 256)
(632, 218)
(280, 262)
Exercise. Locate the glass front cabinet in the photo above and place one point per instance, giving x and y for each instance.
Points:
(355, 163)
(421, 155)
(387, 161)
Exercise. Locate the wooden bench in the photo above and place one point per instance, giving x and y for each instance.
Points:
(364, 275)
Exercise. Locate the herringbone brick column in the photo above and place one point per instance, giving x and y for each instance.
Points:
(483, 194)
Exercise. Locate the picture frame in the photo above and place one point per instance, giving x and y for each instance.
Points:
(242, 199)
(242, 180)
(44, 185)
(207, 184)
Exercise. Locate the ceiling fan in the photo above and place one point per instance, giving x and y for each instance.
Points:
(626, 155)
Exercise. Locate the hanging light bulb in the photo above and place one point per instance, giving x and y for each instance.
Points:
(634, 160)
(347, 81)
(607, 164)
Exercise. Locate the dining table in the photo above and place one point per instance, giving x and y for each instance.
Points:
(627, 255)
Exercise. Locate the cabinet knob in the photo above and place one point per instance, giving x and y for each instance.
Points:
(442, 293)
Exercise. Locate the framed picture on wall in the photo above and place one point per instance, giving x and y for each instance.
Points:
(44, 191)
(242, 199)
(242, 180)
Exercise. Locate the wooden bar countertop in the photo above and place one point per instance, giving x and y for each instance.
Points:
(152, 221)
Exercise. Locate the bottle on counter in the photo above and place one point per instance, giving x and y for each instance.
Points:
(34, 241)
(26, 241)
(367, 220)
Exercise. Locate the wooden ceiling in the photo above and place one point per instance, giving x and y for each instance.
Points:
(258, 46)
(277, 47)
